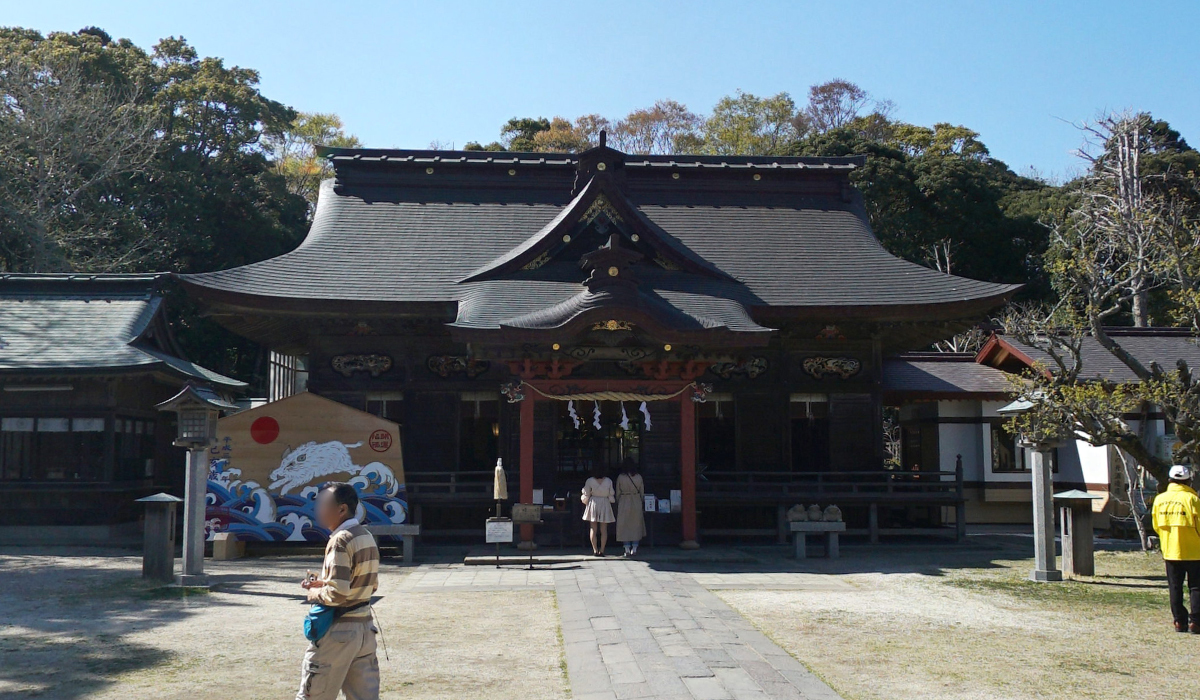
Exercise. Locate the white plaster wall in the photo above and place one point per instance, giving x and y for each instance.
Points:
(1093, 463)
(1070, 463)
(964, 439)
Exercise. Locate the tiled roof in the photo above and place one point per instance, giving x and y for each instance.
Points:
(394, 156)
(947, 374)
(85, 322)
(413, 245)
(1164, 346)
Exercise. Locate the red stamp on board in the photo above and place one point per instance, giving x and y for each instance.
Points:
(381, 441)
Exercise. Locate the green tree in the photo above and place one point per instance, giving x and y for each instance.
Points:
(745, 124)
(207, 197)
(935, 197)
(294, 152)
(518, 133)
(561, 137)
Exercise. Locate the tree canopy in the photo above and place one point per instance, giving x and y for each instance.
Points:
(934, 194)
(115, 159)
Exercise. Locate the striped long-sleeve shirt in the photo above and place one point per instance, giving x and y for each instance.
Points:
(350, 571)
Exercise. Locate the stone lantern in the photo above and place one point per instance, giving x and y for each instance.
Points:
(1045, 561)
(197, 410)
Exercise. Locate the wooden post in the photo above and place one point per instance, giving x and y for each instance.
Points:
(1078, 549)
(960, 506)
(873, 522)
(526, 432)
(687, 468)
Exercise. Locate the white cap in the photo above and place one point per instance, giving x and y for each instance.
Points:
(1180, 471)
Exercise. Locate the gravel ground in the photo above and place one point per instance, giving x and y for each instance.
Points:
(81, 624)
(985, 633)
(913, 620)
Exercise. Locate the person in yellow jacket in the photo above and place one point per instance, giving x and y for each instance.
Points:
(1177, 522)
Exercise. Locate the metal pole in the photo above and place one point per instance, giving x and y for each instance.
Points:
(195, 487)
(1045, 562)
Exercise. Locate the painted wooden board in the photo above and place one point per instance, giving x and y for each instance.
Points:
(269, 462)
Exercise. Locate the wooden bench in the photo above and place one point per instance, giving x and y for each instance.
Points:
(803, 528)
(408, 532)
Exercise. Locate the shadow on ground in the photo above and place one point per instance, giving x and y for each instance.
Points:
(69, 615)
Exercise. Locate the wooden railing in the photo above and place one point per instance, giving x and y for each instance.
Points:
(864, 486)
(465, 486)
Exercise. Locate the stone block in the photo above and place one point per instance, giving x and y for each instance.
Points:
(226, 546)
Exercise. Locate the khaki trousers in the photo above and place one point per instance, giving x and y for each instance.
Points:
(344, 659)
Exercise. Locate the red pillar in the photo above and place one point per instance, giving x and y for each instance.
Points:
(527, 465)
(687, 468)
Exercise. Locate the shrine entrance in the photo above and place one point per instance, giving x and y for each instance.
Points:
(573, 437)
(650, 422)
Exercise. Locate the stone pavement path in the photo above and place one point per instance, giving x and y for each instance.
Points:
(635, 632)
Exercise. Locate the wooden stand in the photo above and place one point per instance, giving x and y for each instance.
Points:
(1078, 547)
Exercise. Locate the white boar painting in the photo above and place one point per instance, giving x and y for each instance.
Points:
(295, 446)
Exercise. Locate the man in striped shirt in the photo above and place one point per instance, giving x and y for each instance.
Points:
(344, 659)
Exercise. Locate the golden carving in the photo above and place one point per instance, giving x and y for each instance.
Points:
(664, 263)
(347, 365)
(601, 206)
(819, 367)
(612, 325)
(538, 261)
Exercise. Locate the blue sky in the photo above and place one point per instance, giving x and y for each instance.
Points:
(404, 74)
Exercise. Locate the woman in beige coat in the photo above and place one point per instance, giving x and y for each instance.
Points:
(631, 519)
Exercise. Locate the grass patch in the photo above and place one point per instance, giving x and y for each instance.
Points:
(562, 645)
(1067, 593)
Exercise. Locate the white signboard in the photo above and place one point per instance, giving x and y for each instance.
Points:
(650, 501)
(499, 531)
(676, 501)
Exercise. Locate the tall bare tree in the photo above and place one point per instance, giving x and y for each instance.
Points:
(1120, 242)
(1127, 221)
(667, 127)
(837, 103)
(62, 141)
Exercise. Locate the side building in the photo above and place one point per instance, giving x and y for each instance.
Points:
(946, 405)
(84, 359)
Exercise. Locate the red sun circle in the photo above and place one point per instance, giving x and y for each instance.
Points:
(264, 430)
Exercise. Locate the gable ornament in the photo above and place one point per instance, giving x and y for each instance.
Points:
(346, 365)
(751, 368)
(612, 325)
(446, 365)
(821, 367)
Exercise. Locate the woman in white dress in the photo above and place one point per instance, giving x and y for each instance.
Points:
(598, 496)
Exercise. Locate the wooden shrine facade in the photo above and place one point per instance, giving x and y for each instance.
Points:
(709, 318)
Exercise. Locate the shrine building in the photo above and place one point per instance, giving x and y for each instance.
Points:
(721, 321)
